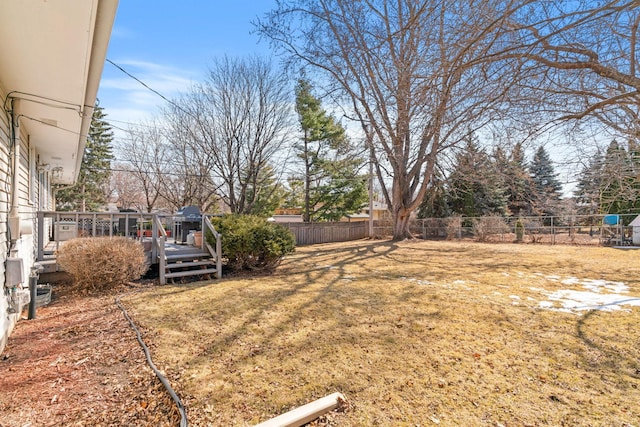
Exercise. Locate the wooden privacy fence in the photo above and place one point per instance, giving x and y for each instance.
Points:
(326, 232)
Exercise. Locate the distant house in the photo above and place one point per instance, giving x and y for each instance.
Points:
(51, 58)
(380, 212)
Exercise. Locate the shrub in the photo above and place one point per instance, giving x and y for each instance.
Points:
(454, 227)
(484, 226)
(251, 243)
(519, 230)
(103, 262)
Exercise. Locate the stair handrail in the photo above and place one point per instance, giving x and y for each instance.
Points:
(217, 252)
(159, 238)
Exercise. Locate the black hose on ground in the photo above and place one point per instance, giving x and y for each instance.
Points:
(162, 378)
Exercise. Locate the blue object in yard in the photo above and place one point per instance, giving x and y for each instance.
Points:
(611, 220)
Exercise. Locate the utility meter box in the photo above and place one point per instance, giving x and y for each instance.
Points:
(14, 275)
(65, 230)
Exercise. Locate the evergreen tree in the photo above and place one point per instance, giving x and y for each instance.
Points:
(619, 187)
(473, 188)
(587, 190)
(264, 194)
(90, 192)
(294, 193)
(434, 204)
(546, 186)
(332, 187)
(512, 172)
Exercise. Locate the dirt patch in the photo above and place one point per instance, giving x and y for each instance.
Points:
(78, 363)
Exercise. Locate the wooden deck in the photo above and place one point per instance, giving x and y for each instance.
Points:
(50, 265)
(159, 234)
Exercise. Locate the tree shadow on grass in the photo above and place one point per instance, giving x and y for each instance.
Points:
(609, 357)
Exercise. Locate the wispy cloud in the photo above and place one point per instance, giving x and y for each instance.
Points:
(128, 101)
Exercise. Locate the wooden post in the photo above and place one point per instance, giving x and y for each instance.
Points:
(162, 267)
(218, 255)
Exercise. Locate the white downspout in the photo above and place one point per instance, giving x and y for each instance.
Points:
(14, 213)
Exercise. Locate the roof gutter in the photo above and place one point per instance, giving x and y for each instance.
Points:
(105, 14)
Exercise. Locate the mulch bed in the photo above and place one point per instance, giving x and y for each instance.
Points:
(79, 363)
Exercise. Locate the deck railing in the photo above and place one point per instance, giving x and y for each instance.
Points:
(57, 227)
(54, 228)
(216, 253)
(159, 238)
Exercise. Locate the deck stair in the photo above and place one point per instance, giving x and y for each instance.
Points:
(160, 242)
(200, 260)
(189, 263)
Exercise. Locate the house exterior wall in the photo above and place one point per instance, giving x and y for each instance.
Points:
(31, 197)
(7, 321)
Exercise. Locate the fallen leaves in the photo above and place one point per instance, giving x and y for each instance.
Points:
(78, 363)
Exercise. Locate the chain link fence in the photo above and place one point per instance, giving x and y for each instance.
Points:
(608, 230)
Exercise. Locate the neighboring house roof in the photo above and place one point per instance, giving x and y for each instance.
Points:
(53, 54)
(287, 218)
(635, 222)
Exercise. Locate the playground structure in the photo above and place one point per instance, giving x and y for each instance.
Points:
(614, 232)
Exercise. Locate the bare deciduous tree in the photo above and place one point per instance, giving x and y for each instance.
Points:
(416, 74)
(235, 124)
(141, 152)
(581, 59)
(186, 170)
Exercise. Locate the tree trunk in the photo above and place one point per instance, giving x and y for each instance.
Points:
(400, 218)
(306, 214)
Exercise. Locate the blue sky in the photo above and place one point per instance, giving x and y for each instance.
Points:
(169, 45)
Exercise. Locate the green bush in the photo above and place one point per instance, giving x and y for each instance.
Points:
(100, 263)
(251, 243)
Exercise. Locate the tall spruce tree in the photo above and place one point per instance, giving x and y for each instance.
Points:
(589, 185)
(619, 188)
(511, 171)
(89, 194)
(546, 186)
(332, 186)
(264, 193)
(473, 188)
(435, 202)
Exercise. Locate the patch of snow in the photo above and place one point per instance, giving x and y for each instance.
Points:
(514, 297)
(597, 295)
(571, 281)
(596, 285)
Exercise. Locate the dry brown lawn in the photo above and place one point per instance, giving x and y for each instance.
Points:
(412, 333)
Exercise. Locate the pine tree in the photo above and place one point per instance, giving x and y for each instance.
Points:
(473, 188)
(332, 187)
(589, 185)
(546, 186)
(434, 204)
(512, 172)
(619, 188)
(89, 194)
(264, 194)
